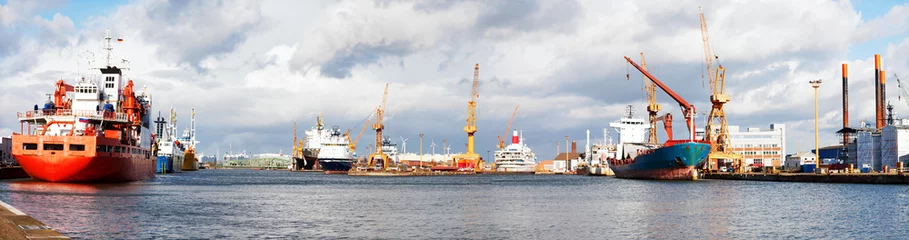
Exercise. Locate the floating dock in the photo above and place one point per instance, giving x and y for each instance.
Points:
(864, 178)
(15, 224)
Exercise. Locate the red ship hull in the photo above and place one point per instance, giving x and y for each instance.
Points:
(88, 165)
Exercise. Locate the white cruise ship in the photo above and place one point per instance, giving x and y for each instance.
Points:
(516, 157)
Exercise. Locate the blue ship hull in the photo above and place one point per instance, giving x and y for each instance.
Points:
(675, 162)
(335, 164)
(166, 165)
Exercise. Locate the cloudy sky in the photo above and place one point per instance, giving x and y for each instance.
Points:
(252, 68)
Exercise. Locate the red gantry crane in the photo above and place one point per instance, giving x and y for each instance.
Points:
(687, 109)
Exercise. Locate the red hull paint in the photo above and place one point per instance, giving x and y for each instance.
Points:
(679, 173)
(122, 168)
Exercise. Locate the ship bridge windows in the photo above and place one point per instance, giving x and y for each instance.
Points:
(30, 146)
(53, 147)
(77, 147)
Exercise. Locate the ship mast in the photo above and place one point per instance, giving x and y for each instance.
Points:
(107, 46)
(192, 129)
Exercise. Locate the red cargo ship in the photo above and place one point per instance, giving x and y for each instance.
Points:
(94, 131)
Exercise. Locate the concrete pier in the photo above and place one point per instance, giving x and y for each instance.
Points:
(15, 224)
(866, 178)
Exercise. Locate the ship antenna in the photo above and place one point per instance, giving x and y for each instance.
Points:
(192, 129)
(107, 47)
(630, 110)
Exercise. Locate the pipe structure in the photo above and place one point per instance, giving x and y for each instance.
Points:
(878, 109)
(883, 98)
(845, 103)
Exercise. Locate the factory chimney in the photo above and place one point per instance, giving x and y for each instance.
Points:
(878, 109)
(574, 147)
(845, 103)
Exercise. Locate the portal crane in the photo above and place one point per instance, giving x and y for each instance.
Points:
(501, 142)
(471, 159)
(652, 107)
(716, 131)
(687, 109)
(378, 155)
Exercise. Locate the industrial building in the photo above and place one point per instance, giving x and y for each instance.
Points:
(758, 147)
(6, 151)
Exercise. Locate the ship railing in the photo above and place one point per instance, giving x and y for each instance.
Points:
(89, 114)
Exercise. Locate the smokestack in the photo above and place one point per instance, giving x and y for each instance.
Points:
(845, 103)
(514, 138)
(574, 147)
(878, 110)
(883, 98)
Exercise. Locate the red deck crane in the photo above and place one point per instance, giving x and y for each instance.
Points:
(687, 109)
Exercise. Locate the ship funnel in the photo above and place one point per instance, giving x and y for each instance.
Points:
(514, 138)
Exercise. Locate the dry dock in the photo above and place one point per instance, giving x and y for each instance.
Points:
(866, 178)
(14, 224)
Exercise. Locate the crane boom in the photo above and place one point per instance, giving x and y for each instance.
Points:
(501, 141)
(687, 109)
(707, 51)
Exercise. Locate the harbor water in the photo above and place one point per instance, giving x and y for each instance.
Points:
(240, 204)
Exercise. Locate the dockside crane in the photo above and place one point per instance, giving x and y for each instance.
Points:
(716, 131)
(902, 87)
(353, 144)
(501, 145)
(688, 110)
(471, 159)
(652, 107)
(378, 155)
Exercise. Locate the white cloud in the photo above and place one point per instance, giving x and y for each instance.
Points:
(251, 68)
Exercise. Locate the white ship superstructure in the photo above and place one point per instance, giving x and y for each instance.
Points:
(631, 130)
(516, 157)
(334, 145)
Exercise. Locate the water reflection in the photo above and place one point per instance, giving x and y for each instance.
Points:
(88, 210)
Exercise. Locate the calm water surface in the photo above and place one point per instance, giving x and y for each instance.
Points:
(239, 204)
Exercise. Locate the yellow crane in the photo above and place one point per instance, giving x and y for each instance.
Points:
(378, 155)
(652, 107)
(716, 132)
(507, 129)
(471, 159)
(353, 144)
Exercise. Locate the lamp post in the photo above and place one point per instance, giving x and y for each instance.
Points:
(817, 160)
(421, 151)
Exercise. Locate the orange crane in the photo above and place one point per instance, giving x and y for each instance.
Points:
(378, 155)
(652, 107)
(687, 109)
(353, 144)
(471, 159)
(667, 123)
(716, 131)
(501, 142)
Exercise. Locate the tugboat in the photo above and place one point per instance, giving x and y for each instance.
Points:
(190, 160)
(95, 131)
